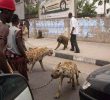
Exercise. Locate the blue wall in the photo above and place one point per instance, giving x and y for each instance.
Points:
(57, 26)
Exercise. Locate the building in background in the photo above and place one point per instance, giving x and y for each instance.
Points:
(20, 10)
(108, 9)
(56, 8)
(100, 8)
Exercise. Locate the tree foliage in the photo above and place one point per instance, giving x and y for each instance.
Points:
(32, 11)
(26, 1)
(86, 9)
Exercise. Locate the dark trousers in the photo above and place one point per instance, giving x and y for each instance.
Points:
(3, 64)
(74, 45)
(17, 63)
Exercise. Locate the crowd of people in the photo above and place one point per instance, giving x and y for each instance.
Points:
(12, 47)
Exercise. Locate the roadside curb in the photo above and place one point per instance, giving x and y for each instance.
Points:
(82, 59)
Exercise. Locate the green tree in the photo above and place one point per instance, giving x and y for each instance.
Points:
(80, 5)
(26, 1)
(31, 11)
(86, 9)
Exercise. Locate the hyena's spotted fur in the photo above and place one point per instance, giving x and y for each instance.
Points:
(37, 54)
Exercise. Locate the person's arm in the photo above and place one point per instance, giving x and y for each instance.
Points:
(20, 43)
(73, 23)
(72, 30)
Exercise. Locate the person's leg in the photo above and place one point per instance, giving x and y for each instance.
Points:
(24, 73)
(3, 65)
(24, 70)
(21, 66)
(72, 44)
(75, 44)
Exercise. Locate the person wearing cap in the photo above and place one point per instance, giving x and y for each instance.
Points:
(7, 7)
(73, 33)
(15, 51)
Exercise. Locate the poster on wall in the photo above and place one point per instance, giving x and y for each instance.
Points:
(56, 8)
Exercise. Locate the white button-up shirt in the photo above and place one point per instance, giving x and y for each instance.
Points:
(74, 23)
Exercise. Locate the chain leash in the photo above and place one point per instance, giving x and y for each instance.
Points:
(43, 85)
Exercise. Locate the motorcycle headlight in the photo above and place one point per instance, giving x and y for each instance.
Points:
(86, 85)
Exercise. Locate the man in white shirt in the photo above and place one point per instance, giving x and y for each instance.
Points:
(15, 50)
(73, 32)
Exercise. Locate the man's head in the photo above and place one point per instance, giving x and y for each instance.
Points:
(21, 23)
(70, 15)
(15, 19)
(7, 7)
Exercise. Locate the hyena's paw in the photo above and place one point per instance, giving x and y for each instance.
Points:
(57, 96)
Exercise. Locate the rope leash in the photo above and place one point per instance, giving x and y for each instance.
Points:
(43, 85)
(51, 81)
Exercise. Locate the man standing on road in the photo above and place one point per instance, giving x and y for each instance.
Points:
(74, 32)
(7, 7)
